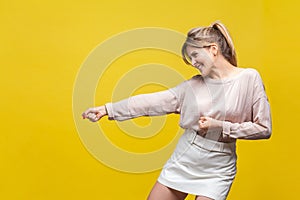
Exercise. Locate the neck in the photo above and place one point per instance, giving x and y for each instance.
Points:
(222, 69)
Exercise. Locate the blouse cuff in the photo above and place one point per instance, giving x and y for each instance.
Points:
(226, 129)
(109, 110)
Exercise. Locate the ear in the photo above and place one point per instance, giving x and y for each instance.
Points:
(214, 49)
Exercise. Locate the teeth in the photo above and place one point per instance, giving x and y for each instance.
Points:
(199, 66)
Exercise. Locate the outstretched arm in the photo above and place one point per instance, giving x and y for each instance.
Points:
(153, 104)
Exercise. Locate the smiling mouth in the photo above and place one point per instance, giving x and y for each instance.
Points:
(200, 66)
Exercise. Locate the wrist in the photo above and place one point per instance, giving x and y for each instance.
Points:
(105, 110)
(219, 123)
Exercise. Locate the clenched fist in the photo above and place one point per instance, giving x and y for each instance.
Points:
(206, 123)
(94, 114)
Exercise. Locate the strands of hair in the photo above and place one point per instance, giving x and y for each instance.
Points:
(215, 33)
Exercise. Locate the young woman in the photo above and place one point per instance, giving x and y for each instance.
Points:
(221, 105)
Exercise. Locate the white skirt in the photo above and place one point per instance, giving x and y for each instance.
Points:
(200, 166)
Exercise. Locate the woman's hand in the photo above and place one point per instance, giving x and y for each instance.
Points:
(94, 114)
(206, 123)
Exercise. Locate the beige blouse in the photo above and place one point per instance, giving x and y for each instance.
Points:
(239, 101)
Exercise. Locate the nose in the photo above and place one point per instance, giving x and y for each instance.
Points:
(193, 61)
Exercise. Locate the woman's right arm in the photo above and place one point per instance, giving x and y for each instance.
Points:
(153, 104)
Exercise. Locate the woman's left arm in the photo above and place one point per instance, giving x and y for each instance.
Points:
(260, 127)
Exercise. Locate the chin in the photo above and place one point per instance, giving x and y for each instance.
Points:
(203, 73)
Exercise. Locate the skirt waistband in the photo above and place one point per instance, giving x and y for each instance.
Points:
(211, 145)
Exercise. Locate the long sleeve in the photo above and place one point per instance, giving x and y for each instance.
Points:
(260, 127)
(153, 104)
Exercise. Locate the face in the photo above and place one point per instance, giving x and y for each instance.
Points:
(201, 58)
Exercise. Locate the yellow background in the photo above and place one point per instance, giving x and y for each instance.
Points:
(42, 46)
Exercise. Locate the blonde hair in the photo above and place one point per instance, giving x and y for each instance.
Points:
(204, 36)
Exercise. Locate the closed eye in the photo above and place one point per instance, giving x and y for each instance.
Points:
(194, 54)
